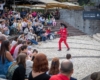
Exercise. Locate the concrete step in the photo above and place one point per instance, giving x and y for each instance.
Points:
(98, 34)
(96, 37)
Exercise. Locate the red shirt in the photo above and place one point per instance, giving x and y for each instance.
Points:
(63, 33)
(48, 31)
(12, 50)
(59, 77)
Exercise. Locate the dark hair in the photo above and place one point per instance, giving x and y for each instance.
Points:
(4, 47)
(35, 51)
(94, 76)
(23, 42)
(40, 63)
(21, 59)
(68, 56)
(66, 66)
(33, 58)
(16, 38)
(19, 42)
(22, 48)
(2, 38)
(54, 69)
(62, 24)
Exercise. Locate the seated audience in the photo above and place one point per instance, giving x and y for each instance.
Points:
(53, 21)
(5, 57)
(2, 38)
(40, 67)
(54, 69)
(32, 37)
(23, 49)
(14, 42)
(34, 54)
(17, 49)
(13, 47)
(65, 72)
(17, 70)
(95, 76)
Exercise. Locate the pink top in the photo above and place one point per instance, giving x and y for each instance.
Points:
(34, 14)
(16, 51)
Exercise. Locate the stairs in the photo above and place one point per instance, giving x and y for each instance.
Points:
(71, 30)
(97, 36)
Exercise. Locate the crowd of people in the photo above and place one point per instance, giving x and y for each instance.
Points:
(19, 62)
(29, 25)
(17, 59)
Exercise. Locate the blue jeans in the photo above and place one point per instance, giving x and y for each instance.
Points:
(7, 32)
(43, 38)
(34, 41)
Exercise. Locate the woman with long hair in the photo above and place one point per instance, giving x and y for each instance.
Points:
(17, 70)
(54, 69)
(40, 67)
(19, 73)
(5, 57)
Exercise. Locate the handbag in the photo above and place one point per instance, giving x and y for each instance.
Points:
(11, 70)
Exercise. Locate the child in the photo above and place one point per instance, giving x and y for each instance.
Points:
(53, 21)
(69, 57)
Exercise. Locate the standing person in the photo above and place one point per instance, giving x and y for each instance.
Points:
(63, 36)
(1, 6)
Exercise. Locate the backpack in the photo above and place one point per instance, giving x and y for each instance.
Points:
(11, 70)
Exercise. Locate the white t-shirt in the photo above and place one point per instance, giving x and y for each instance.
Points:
(29, 65)
(1, 6)
(13, 42)
(24, 24)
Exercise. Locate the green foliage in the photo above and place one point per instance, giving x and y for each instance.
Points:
(91, 4)
(62, 0)
(83, 2)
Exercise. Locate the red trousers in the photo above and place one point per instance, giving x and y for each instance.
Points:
(60, 41)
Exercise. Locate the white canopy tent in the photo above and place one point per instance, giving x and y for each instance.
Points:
(52, 4)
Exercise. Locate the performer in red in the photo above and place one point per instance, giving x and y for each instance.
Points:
(63, 36)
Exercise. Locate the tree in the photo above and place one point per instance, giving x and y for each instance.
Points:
(82, 2)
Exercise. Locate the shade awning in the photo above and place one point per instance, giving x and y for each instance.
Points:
(49, 1)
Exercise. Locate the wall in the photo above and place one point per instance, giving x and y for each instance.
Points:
(75, 19)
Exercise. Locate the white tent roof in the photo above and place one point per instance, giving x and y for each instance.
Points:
(49, 1)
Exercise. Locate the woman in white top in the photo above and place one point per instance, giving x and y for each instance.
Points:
(32, 37)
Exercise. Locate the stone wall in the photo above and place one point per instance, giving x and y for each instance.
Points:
(75, 19)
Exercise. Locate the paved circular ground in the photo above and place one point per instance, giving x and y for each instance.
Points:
(85, 54)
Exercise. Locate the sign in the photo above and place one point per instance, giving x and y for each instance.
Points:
(91, 15)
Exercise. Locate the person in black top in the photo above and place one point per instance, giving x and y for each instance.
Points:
(19, 73)
(40, 67)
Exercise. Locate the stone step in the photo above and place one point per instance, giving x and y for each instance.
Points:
(96, 37)
(98, 34)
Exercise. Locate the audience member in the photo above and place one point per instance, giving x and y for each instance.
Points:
(69, 57)
(54, 69)
(19, 73)
(17, 49)
(95, 76)
(65, 72)
(5, 57)
(40, 67)
(2, 38)
(34, 54)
